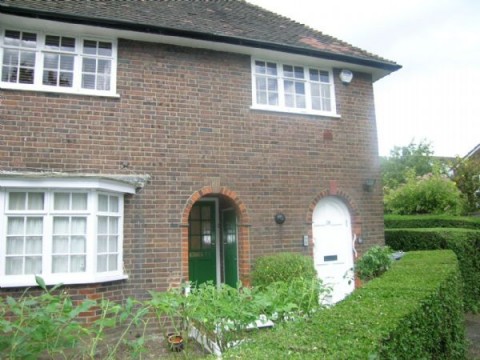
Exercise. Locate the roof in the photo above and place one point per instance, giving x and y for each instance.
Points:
(473, 152)
(230, 21)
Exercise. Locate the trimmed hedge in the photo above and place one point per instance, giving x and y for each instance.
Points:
(282, 267)
(431, 221)
(464, 242)
(413, 311)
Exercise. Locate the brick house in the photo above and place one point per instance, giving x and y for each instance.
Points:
(144, 144)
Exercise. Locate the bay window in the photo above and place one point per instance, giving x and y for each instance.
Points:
(292, 88)
(66, 235)
(54, 62)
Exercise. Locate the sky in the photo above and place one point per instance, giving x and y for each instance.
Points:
(435, 97)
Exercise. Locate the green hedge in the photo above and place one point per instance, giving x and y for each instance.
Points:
(413, 311)
(431, 221)
(464, 242)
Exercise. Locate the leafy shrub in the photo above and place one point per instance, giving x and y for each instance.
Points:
(373, 263)
(464, 242)
(430, 194)
(282, 267)
(413, 311)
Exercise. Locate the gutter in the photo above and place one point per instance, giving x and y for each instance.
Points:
(159, 30)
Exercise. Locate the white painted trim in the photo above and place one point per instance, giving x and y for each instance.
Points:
(90, 183)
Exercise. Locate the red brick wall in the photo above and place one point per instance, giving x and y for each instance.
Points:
(184, 117)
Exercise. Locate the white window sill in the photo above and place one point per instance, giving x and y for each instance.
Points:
(69, 279)
(58, 90)
(295, 111)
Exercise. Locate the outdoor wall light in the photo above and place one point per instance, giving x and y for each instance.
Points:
(279, 218)
(369, 184)
(346, 76)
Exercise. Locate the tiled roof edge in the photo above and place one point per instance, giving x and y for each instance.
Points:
(124, 25)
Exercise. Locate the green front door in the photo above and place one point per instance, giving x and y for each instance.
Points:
(202, 261)
(229, 229)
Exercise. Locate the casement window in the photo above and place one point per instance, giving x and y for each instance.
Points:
(292, 88)
(65, 235)
(55, 62)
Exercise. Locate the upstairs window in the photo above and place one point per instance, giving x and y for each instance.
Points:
(54, 62)
(292, 88)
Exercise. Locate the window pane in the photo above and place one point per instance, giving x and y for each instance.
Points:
(79, 201)
(15, 226)
(113, 225)
(35, 201)
(102, 203)
(272, 85)
(299, 88)
(104, 48)
(59, 264)
(68, 44)
(298, 72)
(90, 47)
(289, 101)
(88, 81)
(61, 201)
(49, 78)
(27, 59)
(60, 244)
(113, 204)
(89, 65)
(102, 227)
(33, 265)
(112, 243)
(33, 245)
(273, 99)
(15, 245)
(316, 103)
(112, 262)
(315, 89)
(272, 69)
(78, 245)
(14, 266)
(102, 263)
(61, 225)
(300, 100)
(29, 40)
(77, 263)
(261, 83)
(66, 62)
(102, 243)
(50, 61)
(52, 42)
(260, 67)
(34, 226)
(288, 70)
(66, 79)
(324, 76)
(16, 200)
(79, 225)
(12, 38)
(206, 212)
(314, 76)
(261, 97)
(26, 76)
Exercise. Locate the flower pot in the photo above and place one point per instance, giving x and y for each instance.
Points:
(175, 342)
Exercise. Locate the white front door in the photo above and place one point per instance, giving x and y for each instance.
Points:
(333, 249)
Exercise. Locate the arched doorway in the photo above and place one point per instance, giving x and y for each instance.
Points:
(213, 241)
(333, 248)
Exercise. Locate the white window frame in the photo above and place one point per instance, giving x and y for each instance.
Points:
(78, 54)
(281, 107)
(92, 187)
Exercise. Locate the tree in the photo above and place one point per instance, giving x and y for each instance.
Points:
(416, 158)
(466, 175)
(429, 194)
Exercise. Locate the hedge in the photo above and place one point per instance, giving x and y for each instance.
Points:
(431, 221)
(464, 242)
(413, 311)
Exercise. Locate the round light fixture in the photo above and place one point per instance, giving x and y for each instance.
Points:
(279, 218)
(346, 76)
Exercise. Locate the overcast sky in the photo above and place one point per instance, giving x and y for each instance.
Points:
(436, 95)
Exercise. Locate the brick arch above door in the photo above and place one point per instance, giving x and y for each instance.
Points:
(244, 262)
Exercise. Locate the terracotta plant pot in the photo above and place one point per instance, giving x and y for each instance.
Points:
(175, 342)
